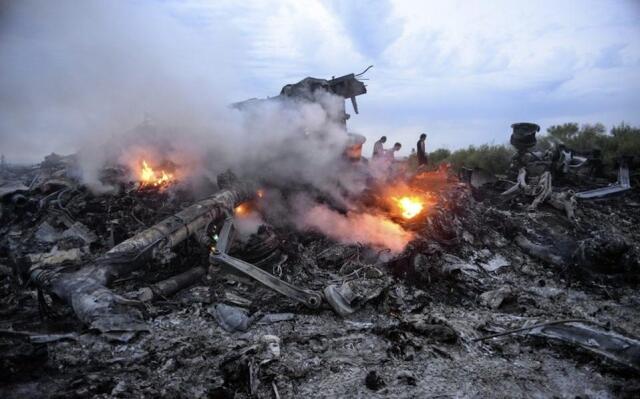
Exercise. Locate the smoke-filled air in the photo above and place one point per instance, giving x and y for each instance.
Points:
(125, 83)
(319, 198)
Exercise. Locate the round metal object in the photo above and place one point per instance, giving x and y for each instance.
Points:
(524, 135)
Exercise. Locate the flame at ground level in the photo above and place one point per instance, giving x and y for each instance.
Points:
(242, 209)
(149, 177)
(418, 195)
(410, 206)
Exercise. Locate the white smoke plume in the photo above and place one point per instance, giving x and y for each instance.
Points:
(79, 76)
(75, 74)
(353, 228)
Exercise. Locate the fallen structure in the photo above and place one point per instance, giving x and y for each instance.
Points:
(152, 292)
(311, 90)
(86, 289)
(347, 87)
(542, 191)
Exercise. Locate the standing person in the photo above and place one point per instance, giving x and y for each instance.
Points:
(393, 168)
(378, 148)
(389, 154)
(422, 152)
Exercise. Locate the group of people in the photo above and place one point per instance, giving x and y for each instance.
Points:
(380, 153)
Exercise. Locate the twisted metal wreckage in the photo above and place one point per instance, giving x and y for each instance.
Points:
(557, 160)
(88, 289)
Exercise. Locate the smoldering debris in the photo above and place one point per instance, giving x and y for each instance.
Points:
(286, 285)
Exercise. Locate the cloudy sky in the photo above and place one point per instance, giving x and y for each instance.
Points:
(462, 71)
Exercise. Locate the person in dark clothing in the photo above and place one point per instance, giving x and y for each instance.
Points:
(378, 147)
(421, 147)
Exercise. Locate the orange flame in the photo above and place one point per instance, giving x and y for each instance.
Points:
(407, 201)
(149, 177)
(242, 209)
(410, 206)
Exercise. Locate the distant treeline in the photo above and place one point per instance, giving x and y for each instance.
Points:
(620, 140)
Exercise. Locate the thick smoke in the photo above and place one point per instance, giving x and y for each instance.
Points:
(118, 82)
(353, 228)
(80, 74)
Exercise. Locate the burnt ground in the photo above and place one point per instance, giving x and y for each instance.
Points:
(462, 278)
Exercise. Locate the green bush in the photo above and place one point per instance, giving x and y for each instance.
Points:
(439, 155)
(492, 158)
(624, 141)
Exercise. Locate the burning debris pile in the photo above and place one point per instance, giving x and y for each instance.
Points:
(150, 177)
(415, 284)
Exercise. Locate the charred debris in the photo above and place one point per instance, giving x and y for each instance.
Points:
(522, 283)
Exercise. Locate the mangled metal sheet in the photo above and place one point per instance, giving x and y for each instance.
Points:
(613, 346)
(620, 186)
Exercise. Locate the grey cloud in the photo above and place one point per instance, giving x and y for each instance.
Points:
(371, 25)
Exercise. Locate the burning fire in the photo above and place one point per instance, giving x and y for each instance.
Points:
(245, 209)
(149, 177)
(242, 209)
(408, 200)
(410, 206)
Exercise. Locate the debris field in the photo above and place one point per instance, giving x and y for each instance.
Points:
(479, 265)
(522, 285)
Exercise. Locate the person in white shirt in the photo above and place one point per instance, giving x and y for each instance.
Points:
(378, 147)
(390, 154)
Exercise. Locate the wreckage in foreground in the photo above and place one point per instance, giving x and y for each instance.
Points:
(152, 292)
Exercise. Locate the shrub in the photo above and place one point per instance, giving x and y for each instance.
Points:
(439, 155)
(492, 158)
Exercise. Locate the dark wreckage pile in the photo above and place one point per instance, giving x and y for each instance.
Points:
(439, 285)
(151, 292)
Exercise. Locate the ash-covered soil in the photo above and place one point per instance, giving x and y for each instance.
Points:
(465, 276)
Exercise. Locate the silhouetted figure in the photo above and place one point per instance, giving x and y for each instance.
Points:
(422, 152)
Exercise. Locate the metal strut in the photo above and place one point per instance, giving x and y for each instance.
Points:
(311, 299)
